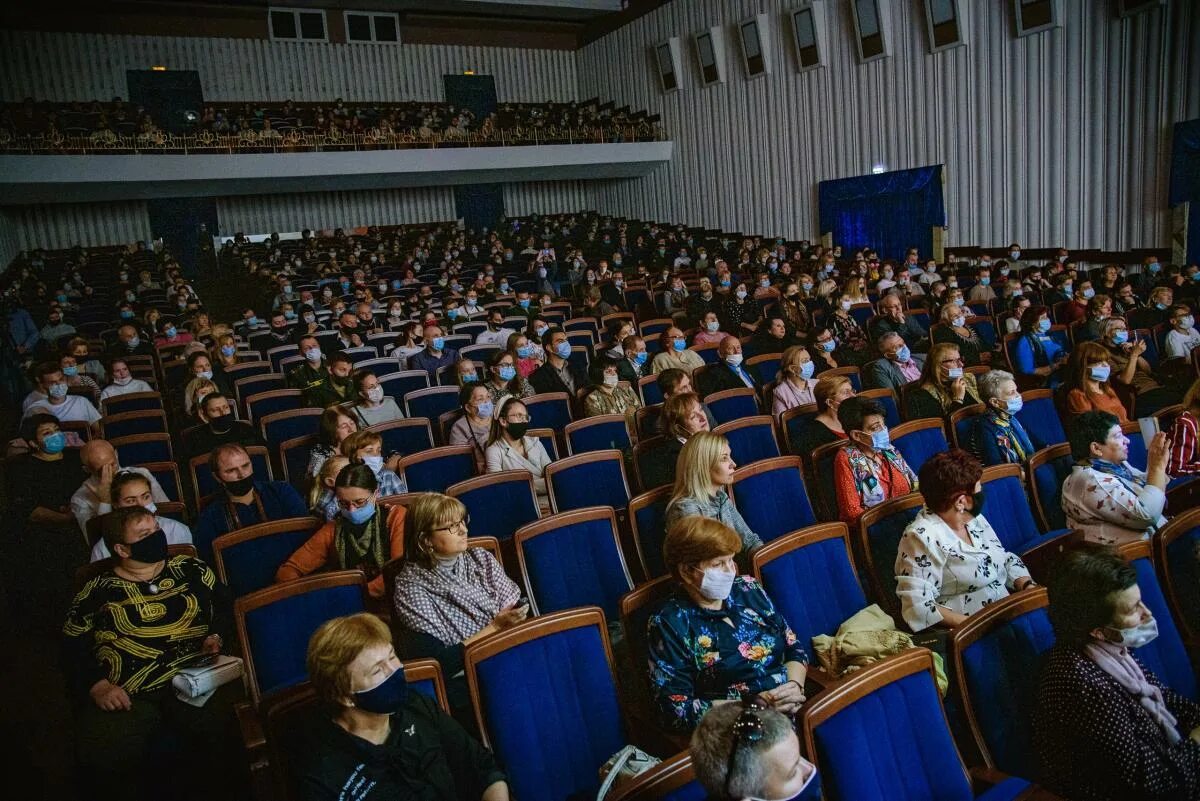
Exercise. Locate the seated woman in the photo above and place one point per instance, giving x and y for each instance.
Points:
(447, 594)
(127, 634)
(851, 338)
(1087, 384)
(465, 372)
(718, 638)
(999, 436)
(475, 424)
(123, 382)
(954, 331)
(1099, 310)
(675, 354)
(322, 501)
(1035, 352)
(1130, 368)
(795, 383)
(525, 353)
(823, 347)
(508, 448)
(502, 379)
(683, 416)
(79, 383)
(366, 447)
(1185, 444)
(1105, 727)
(356, 539)
(830, 393)
(371, 406)
(224, 355)
(1104, 497)
(337, 423)
(950, 563)
(710, 332)
(703, 472)
(200, 366)
(606, 395)
(869, 470)
(944, 386)
(372, 732)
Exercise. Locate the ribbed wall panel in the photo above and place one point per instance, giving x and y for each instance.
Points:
(9, 247)
(81, 66)
(62, 225)
(1058, 138)
(548, 197)
(264, 214)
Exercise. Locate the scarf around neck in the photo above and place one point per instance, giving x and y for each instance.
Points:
(360, 547)
(1117, 662)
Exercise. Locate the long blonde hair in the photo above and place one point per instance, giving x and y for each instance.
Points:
(693, 471)
(329, 469)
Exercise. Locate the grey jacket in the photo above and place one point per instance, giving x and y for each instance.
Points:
(884, 374)
(718, 507)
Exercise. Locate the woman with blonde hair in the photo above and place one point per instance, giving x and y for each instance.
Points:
(321, 500)
(944, 385)
(195, 391)
(704, 470)
(954, 331)
(1087, 384)
(224, 351)
(795, 383)
(682, 417)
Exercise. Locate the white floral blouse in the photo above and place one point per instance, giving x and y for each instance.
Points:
(934, 567)
(1110, 510)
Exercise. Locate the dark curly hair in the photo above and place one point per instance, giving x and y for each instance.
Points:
(947, 475)
(1082, 589)
(1087, 428)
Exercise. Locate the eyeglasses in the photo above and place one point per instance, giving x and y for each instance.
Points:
(747, 729)
(463, 524)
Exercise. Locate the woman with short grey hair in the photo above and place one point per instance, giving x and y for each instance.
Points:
(741, 751)
(999, 436)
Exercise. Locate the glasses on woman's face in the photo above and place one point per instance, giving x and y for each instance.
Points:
(517, 418)
(955, 362)
(348, 504)
(456, 526)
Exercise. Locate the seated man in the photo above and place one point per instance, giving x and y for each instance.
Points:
(312, 371)
(436, 355)
(731, 764)
(892, 320)
(496, 334)
(127, 634)
(727, 373)
(371, 731)
(896, 367)
(241, 501)
(636, 362)
(216, 413)
(52, 396)
(334, 387)
(94, 496)
(558, 374)
(1183, 337)
(132, 489)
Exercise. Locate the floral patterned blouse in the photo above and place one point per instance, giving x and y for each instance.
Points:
(697, 656)
(934, 567)
(1112, 504)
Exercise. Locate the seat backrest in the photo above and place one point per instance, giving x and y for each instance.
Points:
(167, 476)
(962, 425)
(140, 448)
(274, 625)
(573, 559)
(1007, 508)
(793, 422)
(587, 479)
(771, 497)
(650, 391)
(810, 576)
(647, 519)
(732, 404)
(549, 410)
(672, 780)
(430, 403)
(887, 399)
(260, 404)
(436, 469)
(551, 750)
(908, 754)
(1040, 419)
(281, 426)
(399, 383)
(405, 436)
(879, 531)
(294, 456)
(751, 439)
(1047, 470)
(598, 433)
(996, 656)
(822, 475)
(1137, 455)
(917, 440)
(1165, 655)
(246, 558)
(131, 402)
(1175, 547)
(498, 503)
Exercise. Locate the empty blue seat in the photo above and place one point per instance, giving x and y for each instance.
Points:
(879, 533)
(918, 440)
(436, 469)
(247, 558)
(1008, 510)
(732, 404)
(1047, 470)
(499, 503)
(289, 424)
(651, 391)
(133, 402)
(128, 424)
(751, 439)
(771, 497)
(431, 403)
(405, 437)
(886, 398)
(588, 479)
(549, 410)
(398, 384)
(1040, 419)
(647, 518)
(602, 432)
(1175, 547)
(140, 448)
(262, 404)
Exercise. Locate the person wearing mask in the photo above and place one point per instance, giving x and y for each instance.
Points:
(435, 354)
(982, 292)
(674, 299)
(475, 424)
(366, 708)
(1035, 352)
(998, 436)
(219, 427)
(366, 447)
(823, 347)
(744, 751)
(170, 335)
(509, 448)
(702, 303)
(40, 485)
(1100, 309)
(361, 538)
(703, 473)
(241, 500)
(55, 328)
(892, 320)
(526, 355)
(372, 406)
(606, 395)
(635, 360)
(830, 392)
(950, 563)
(312, 372)
(502, 379)
(94, 496)
(121, 652)
(123, 382)
(1183, 337)
(78, 382)
(224, 353)
(945, 386)
(349, 335)
(131, 488)
(336, 387)
(682, 417)
(131, 343)
(771, 336)
(52, 396)
(79, 349)
(1105, 728)
(718, 638)
(852, 339)
(710, 332)
(674, 353)
(795, 385)
(200, 366)
(954, 331)
(1106, 498)
(869, 470)
(728, 372)
(558, 374)
(1130, 368)
(496, 334)
(1156, 311)
(792, 308)
(322, 501)
(1087, 383)
(1080, 293)
(1185, 445)
(896, 366)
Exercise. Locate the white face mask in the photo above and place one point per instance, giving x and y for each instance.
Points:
(375, 394)
(120, 382)
(734, 359)
(716, 584)
(611, 379)
(1137, 636)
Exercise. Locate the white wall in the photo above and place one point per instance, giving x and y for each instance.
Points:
(82, 66)
(1058, 138)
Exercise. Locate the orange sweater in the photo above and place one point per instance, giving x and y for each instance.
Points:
(319, 551)
(1079, 402)
(850, 503)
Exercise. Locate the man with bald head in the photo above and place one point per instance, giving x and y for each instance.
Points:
(130, 344)
(435, 355)
(94, 496)
(728, 372)
(892, 320)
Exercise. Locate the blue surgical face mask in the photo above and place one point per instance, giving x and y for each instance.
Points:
(881, 439)
(828, 346)
(1153, 266)
(807, 369)
(228, 350)
(507, 372)
(468, 378)
(58, 390)
(1044, 325)
(1100, 372)
(360, 515)
(486, 408)
(1120, 337)
(438, 343)
(904, 354)
(680, 344)
(126, 314)
(525, 351)
(1014, 405)
(170, 332)
(563, 349)
(1089, 293)
(72, 370)
(985, 281)
(54, 443)
(640, 358)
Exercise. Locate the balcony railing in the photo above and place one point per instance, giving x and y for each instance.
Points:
(292, 141)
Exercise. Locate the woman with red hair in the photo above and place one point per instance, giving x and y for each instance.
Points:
(950, 562)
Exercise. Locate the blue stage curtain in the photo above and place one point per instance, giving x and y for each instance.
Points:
(1185, 180)
(890, 212)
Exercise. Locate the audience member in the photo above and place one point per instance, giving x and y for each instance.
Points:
(945, 387)
(703, 473)
(372, 407)
(366, 447)
(953, 330)
(728, 372)
(502, 379)
(892, 320)
(336, 424)
(475, 423)
(1183, 337)
(795, 384)
(558, 374)
(852, 339)
(950, 563)
(718, 638)
(496, 334)
(322, 500)
(710, 332)
(869, 470)
(675, 354)
(219, 428)
(312, 372)
(1035, 352)
(52, 397)
(1185, 444)
(1130, 368)
(1087, 383)
(998, 436)
(830, 392)
(78, 383)
(744, 751)
(896, 366)
(130, 488)
(1100, 309)
(436, 354)
(606, 395)
(123, 382)
(335, 387)
(683, 416)
(94, 496)
(509, 448)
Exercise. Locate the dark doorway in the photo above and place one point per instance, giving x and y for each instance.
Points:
(474, 92)
(170, 97)
(177, 220)
(479, 205)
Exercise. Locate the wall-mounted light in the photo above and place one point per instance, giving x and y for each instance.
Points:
(158, 68)
(468, 72)
(877, 169)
